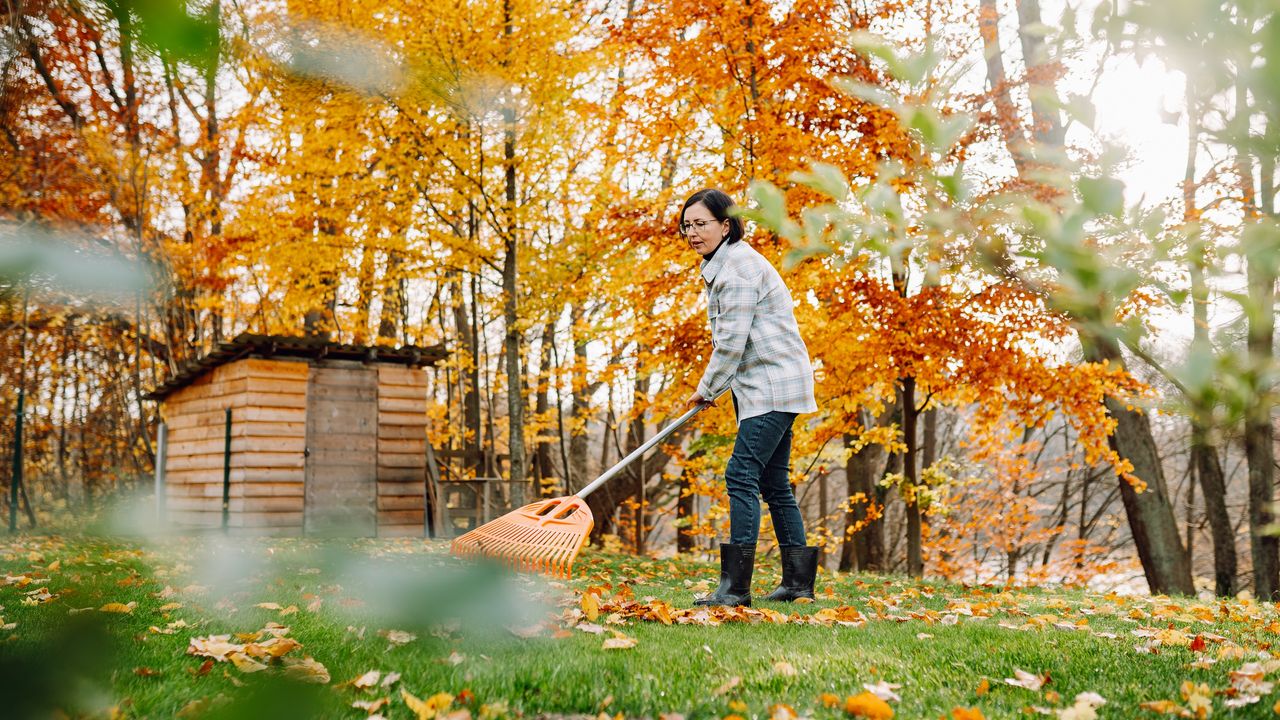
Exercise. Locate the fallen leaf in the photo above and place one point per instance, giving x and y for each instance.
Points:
(1026, 680)
(116, 607)
(146, 672)
(867, 705)
(590, 606)
(960, 713)
(370, 706)
(306, 670)
(782, 712)
(268, 605)
(620, 642)
(398, 637)
(883, 690)
(784, 668)
(244, 663)
(730, 684)
(367, 680)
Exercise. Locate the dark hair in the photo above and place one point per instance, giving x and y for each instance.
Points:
(719, 204)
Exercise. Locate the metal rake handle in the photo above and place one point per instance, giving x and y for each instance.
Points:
(663, 434)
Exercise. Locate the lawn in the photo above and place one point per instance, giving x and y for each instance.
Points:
(283, 628)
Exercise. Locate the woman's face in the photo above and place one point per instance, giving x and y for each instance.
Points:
(702, 230)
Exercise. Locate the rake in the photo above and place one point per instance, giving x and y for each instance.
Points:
(545, 536)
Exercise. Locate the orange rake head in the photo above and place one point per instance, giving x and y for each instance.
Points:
(544, 536)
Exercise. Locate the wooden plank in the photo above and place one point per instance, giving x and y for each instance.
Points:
(401, 474)
(417, 446)
(238, 430)
(260, 490)
(406, 487)
(207, 504)
(404, 405)
(400, 517)
(287, 386)
(401, 432)
(342, 373)
(238, 445)
(192, 420)
(272, 415)
(344, 392)
(401, 502)
(271, 460)
(392, 460)
(215, 389)
(403, 418)
(392, 375)
(266, 519)
(355, 421)
(407, 392)
(193, 462)
(190, 476)
(284, 368)
(347, 443)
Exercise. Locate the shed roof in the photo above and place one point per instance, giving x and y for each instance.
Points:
(314, 348)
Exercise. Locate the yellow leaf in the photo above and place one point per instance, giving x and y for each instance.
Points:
(959, 713)
(590, 606)
(116, 607)
(245, 664)
(784, 668)
(268, 606)
(427, 709)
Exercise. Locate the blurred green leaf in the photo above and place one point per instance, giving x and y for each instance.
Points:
(826, 179)
(1103, 196)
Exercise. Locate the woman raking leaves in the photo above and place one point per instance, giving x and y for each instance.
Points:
(758, 354)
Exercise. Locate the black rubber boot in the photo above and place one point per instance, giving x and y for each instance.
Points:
(799, 570)
(736, 564)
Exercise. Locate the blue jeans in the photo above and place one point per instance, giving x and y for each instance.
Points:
(759, 467)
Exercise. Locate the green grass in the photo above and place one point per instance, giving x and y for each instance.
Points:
(93, 663)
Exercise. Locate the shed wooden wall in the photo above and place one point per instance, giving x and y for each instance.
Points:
(402, 450)
(268, 401)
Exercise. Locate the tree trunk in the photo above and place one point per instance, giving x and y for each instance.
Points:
(861, 478)
(1048, 130)
(915, 555)
(685, 507)
(1150, 513)
(510, 285)
(542, 466)
(1006, 111)
(1204, 451)
(576, 473)
(1259, 434)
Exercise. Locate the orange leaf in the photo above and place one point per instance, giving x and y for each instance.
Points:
(867, 705)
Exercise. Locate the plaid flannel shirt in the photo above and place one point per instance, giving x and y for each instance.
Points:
(757, 348)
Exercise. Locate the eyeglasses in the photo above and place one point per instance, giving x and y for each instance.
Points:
(688, 228)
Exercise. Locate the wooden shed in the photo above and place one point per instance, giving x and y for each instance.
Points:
(324, 438)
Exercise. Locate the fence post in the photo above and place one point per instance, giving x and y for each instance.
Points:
(226, 476)
(15, 481)
(162, 459)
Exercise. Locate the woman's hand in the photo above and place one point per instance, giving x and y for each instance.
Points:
(696, 399)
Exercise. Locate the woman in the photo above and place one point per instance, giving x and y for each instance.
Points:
(759, 355)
